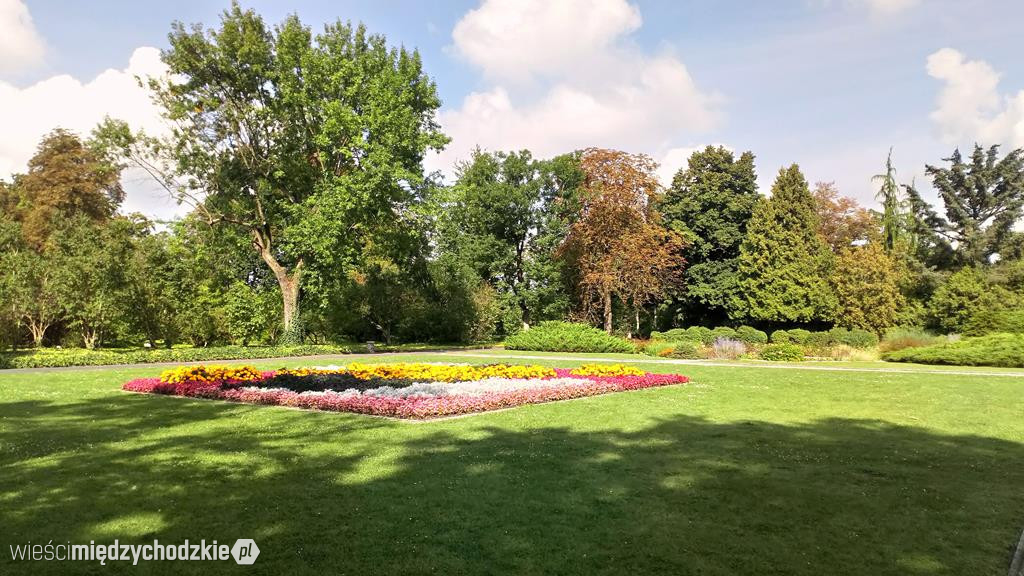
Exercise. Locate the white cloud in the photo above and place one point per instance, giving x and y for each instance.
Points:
(587, 85)
(21, 47)
(521, 38)
(970, 108)
(889, 7)
(27, 114)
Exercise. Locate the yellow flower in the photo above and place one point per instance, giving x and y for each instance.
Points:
(606, 370)
(212, 373)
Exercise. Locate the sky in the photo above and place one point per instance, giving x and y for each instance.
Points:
(828, 84)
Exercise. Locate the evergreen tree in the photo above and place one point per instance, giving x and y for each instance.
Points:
(889, 196)
(710, 203)
(784, 264)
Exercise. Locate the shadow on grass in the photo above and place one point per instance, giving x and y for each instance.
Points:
(335, 493)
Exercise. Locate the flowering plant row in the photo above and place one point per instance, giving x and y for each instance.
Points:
(402, 390)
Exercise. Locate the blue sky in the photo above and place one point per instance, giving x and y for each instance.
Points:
(828, 84)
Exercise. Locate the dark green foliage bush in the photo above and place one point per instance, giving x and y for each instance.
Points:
(557, 336)
(676, 335)
(799, 335)
(659, 348)
(858, 338)
(686, 349)
(751, 335)
(700, 334)
(783, 352)
(723, 332)
(81, 357)
(1004, 350)
(818, 340)
(781, 337)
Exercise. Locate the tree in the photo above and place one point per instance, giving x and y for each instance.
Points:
(841, 221)
(784, 264)
(983, 199)
(498, 218)
(616, 242)
(953, 303)
(710, 203)
(65, 177)
(867, 283)
(309, 144)
(88, 263)
(889, 196)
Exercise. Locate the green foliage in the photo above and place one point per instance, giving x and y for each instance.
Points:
(782, 352)
(856, 338)
(1006, 350)
(867, 282)
(249, 314)
(710, 203)
(556, 336)
(900, 338)
(818, 340)
(952, 304)
(723, 332)
(659, 348)
(799, 335)
(51, 357)
(983, 198)
(751, 335)
(700, 334)
(686, 350)
(784, 264)
(781, 337)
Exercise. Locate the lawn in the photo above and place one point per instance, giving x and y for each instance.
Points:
(744, 470)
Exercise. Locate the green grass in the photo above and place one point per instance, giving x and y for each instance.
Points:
(769, 471)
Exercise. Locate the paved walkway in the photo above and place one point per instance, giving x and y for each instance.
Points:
(345, 358)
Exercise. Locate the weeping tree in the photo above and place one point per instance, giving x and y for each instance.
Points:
(309, 143)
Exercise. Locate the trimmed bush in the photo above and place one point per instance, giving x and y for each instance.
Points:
(751, 335)
(818, 339)
(687, 350)
(861, 339)
(700, 334)
(799, 335)
(781, 337)
(1004, 350)
(783, 352)
(81, 357)
(723, 332)
(555, 336)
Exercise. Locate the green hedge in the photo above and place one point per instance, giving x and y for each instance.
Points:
(567, 337)
(1004, 350)
(53, 357)
(751, 335)
(782, 352)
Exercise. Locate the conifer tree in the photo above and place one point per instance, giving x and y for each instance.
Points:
(784, 263)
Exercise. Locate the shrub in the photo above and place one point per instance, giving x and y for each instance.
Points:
(782, 353)
(676, 335)
(845, 352)
(751, 335)
(855, 338)
(723, 332)
(818, 340)
(700, 334)
(80, 357)
(900, 338)
(555, 336)
(658, 348)
(781, 337)
(799, 335)
(1004, 350)
(727, 348)
(687, 350)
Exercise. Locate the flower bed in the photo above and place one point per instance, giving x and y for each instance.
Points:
(401, 390)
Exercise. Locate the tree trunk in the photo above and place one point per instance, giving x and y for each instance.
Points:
(608, 312)
(526, 314)
(38, 330)
(289, 281)
(290, 297)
